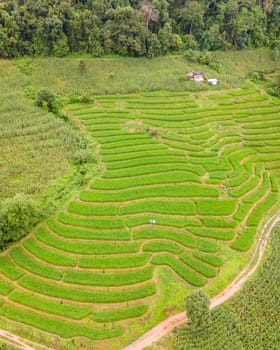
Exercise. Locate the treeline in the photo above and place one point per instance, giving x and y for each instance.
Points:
(135, 27)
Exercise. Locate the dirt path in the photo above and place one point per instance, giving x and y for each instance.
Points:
(20, 343)
(166, 326)
(172, 322)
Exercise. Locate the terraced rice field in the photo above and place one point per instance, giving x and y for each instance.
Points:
(206, 170)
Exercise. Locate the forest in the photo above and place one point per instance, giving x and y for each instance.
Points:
(135, 27)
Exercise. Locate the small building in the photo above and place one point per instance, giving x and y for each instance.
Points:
(196, 76)
(212, 81)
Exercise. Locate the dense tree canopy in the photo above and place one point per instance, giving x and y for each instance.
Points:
(135, 27)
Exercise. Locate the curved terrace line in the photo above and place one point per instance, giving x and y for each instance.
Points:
(174, 321)
(166, 326)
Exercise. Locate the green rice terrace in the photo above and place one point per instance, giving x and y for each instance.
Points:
(187, 181)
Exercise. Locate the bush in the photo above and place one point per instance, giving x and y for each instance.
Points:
(45, 96)
(257, 76)
(197, 306)
(192, 55)
(83, 156)
(17, 216)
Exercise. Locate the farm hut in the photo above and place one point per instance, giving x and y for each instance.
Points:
(196, 76)
(212, 81)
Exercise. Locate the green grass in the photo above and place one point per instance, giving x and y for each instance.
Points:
(86, 295)
(138, 220)
(73, 232)
(198, 266)
(5, 287)
(28, 263)
(156, 233)
(62, 328)
(60, 308)
(108, 279)
(183, 271)
(169, 207)
(49, 256)
(256, 216)
(214, 260)
(172, 191)
(93, 223)
(205, 167)
(9, 269)
(116, 184)
(85, 247)
(114, 262)
(91, 210)
(210, 233)
(120, 314)
(215, 207)
(32, 140)
(249, 320)
(161, 246)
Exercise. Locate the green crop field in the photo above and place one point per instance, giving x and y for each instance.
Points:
(187, 183)
(250, 320)
(32, 141)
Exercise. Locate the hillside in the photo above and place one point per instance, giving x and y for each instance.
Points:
(204, 166)
(249, 321)
(36, 148)
(122, 75)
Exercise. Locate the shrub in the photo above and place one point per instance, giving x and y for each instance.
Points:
(45, 96)
(83, 156)
(192, 55)
(197, 306)
(18, 215)
(257, 76)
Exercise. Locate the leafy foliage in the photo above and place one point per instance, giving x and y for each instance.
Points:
(250, 320)
(18, 215)
(135, 28)
(197, 306)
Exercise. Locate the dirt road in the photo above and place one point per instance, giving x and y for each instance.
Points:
(166, 326)
(20, 343)
(172, 322)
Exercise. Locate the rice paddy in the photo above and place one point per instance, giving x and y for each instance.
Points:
(184, 181)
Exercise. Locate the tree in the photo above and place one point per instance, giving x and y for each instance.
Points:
(197, 307)
(17, 216)
(82, 67)
(192, 17)
(46, 96)
(150, 13)
(124, 32)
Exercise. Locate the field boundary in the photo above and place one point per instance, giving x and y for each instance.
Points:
(166, 326)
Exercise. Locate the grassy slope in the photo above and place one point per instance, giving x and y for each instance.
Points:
(36, 148)
(250, 320)
(60, 75)
(126, 75)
